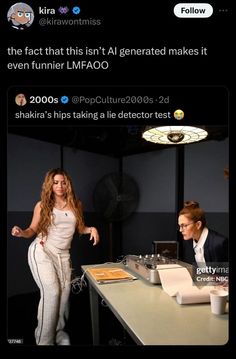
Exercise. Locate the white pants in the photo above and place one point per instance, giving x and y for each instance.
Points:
(51, 270)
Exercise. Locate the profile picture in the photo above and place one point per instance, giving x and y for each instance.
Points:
(20, 15)
(20, 99)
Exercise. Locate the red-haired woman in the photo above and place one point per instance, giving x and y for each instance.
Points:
(202, 245)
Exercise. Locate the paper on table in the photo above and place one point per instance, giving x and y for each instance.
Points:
(194, 295)
(174, 279)
(110, 274)
(178, 282)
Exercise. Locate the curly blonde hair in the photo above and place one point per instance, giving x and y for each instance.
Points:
(48, 202)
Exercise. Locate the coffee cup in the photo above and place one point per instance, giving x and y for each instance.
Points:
(218, 299)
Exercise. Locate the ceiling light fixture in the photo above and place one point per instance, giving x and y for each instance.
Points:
(172, 135)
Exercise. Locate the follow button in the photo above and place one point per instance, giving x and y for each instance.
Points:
(193, 10)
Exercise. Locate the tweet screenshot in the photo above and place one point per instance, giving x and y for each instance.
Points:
(116, 124)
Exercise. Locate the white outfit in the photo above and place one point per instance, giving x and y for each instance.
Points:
(51, 269)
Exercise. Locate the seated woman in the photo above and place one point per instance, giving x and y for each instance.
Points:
(202, 245)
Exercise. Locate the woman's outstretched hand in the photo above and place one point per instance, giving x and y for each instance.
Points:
(16, 231)
(94, 235)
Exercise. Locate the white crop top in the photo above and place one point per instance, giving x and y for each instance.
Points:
(60, 233)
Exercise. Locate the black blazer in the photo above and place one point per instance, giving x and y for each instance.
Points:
(215, 249)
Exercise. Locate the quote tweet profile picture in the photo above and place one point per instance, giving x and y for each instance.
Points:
(20, 15)
(20, 99)
(179, 114)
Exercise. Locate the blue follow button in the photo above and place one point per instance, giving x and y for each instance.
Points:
(193, 10)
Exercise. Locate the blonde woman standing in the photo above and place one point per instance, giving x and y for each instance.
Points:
(55, 219)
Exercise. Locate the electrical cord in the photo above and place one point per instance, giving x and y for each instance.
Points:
(79, 283)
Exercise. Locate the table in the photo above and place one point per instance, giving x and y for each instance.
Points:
(152, 317)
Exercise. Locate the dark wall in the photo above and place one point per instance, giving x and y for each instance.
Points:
(154, 173)
(141, 229)
(29, 160)
(204, 175)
